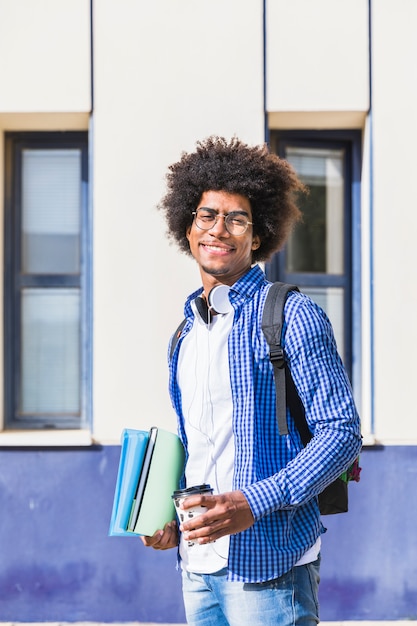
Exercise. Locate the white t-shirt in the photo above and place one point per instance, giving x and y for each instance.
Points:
(204, 380)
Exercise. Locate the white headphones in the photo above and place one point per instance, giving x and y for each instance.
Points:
(218, 299)
(218, 302)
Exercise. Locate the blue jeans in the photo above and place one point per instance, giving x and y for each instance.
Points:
(292, 599)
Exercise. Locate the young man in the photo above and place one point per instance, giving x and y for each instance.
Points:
(253, 556)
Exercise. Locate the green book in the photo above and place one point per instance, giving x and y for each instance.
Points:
(160, 474)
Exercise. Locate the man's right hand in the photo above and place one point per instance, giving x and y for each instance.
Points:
(163, 539)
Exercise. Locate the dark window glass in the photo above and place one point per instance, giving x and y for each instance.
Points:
(46, 280)
(318, 255)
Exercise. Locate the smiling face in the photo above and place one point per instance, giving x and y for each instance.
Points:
(222, 257)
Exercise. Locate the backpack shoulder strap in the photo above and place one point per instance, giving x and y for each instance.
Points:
(272, 322)
(175, 338)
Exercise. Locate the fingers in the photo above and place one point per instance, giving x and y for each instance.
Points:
(207, 534)
(163, 539)
(225, 514)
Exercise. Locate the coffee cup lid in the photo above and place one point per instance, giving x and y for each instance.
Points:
(191, 491)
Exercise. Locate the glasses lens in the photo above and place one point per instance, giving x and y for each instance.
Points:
(205, 218)
(236, 223)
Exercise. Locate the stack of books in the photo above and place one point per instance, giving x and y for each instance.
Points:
(150, 468)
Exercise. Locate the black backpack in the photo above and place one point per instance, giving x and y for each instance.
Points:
(334, 498)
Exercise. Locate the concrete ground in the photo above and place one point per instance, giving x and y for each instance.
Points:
(361, 623)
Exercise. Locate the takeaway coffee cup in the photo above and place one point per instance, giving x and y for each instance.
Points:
(186, 514)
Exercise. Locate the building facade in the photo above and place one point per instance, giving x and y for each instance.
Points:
(97, 98)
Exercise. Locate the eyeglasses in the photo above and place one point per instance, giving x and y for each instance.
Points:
(236, 223)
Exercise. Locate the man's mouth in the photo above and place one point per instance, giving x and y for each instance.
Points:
(216, 249)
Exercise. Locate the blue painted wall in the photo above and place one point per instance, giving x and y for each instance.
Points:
(370, 555)
(58, 563)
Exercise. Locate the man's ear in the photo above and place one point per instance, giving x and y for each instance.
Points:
(256, 242)
(187, 233)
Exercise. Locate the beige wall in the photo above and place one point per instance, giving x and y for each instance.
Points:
(169, 72)
(317, 55)
(394, 87)
(166, 74)
(45, 52)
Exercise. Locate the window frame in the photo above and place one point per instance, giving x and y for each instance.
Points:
(15, 281)
(351, 142)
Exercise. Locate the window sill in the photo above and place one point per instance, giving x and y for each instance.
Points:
(368, 439)
(45, 438)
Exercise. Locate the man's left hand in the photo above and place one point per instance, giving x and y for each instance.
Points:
(227, 514)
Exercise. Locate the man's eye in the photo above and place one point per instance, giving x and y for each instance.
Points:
(236, 220)
(206, 216)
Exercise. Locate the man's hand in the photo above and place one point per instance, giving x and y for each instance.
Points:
(163, 539)
(227, 514)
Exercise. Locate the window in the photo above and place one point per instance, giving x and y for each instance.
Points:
(46, 281)
(320, 255)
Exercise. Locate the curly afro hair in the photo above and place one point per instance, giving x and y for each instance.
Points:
(269, 183)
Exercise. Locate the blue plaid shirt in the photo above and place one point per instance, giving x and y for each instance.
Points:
(279, 477)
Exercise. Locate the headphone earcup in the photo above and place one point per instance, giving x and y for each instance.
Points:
(218, 302)
(218, 299)
(202, 308)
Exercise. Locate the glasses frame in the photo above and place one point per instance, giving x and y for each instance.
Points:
(225, 217)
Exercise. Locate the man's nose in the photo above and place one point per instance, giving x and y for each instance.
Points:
(220, 225)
